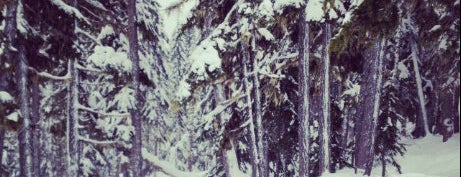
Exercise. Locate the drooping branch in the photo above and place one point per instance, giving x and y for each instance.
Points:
(66, 77)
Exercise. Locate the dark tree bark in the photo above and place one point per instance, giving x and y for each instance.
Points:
(369, 109)
(135, 155)
(35, 127)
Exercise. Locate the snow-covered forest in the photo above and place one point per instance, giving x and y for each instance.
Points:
(229, 88)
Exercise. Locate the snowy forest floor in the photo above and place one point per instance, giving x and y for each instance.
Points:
(427, 157)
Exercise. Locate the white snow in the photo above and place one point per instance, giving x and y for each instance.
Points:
(168, 168)
(279, 5)
(266, 9)
(353, 91)
(107, 58)
(13, 116)
(403, 71)
(232, 161)
(5, 97)
(427, 157)
(69, 9)
(105, 31)
(176, 17)
(443, 42)
(314, 10)
(205, 57)
(435, 28)
(266, 34)
(183, 90)
(124, 99)
(22, 24)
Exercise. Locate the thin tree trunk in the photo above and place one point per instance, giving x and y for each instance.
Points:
(72, 121)
(383, 162)
(254, 150)
(324, 134)
(419, 86)
(23, 134)
(135, 155)
(72, 116)
(2, 137)
(303, 105)
(345, 127)
(35, 128)
(258, 112)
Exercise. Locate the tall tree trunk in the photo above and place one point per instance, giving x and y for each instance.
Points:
(72, 115)
(23, 134)
(21, 70)
(263, 166)
(419, 86)
(324, 134)
(369, 109)
(260, 142)
(247, 83)
(35, 128)
(303, 89)
(135, 155)
(72, 120)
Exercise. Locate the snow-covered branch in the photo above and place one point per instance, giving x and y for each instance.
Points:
(219, 109)
(81, 107)
(80, 67)
(92, 141)
(69, 9)
(50, 76)
(93, 38)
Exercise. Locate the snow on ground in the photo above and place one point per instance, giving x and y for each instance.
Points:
(427, 157)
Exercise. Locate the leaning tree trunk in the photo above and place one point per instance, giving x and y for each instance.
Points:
(324, 135)
(303, 89)
(370, 98)
(135, 155)
(419, 86)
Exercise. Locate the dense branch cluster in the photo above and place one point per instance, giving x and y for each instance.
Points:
(258, 88)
